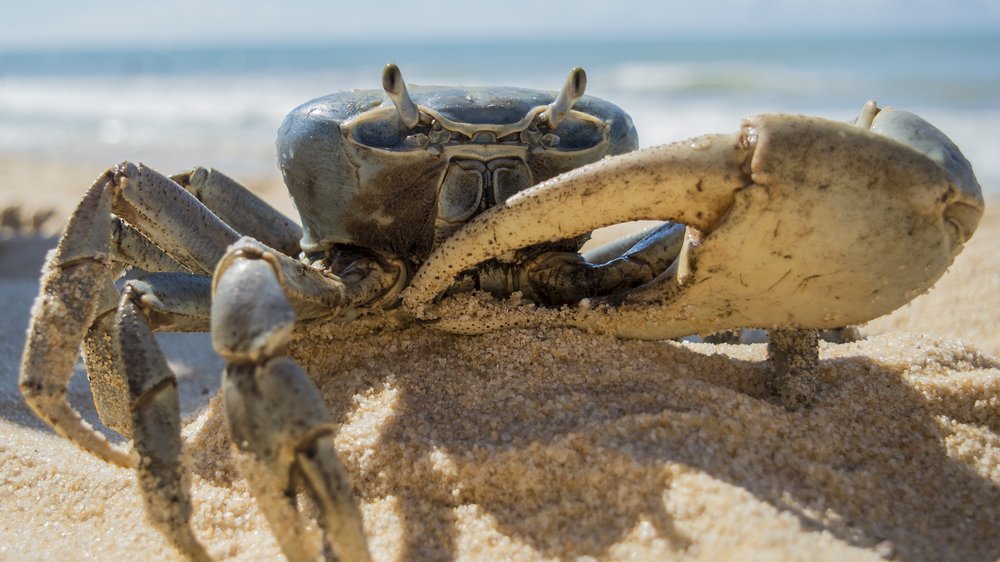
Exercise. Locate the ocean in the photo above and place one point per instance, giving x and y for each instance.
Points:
(221, 106)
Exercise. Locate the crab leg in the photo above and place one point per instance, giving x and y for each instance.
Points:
(279, 424)
(65, 309)
(155, 420)
(172, 302)
(130, 247)
(241, 209)
(134, 389)
(61, 316)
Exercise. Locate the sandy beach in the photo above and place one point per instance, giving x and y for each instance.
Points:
(555, 444)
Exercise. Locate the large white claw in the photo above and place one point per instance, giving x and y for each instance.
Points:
(803, 222)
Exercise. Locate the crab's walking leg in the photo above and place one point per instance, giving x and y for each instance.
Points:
(241, 209)
(134, 389)
(279, 424)
(63, 312)
(83, 262)
(108, 386)
(110, 391)
(154, 403)
(174, 302)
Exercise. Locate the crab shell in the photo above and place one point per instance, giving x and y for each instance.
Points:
(797, 222)
(359, 177)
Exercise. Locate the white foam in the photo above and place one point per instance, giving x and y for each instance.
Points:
(174, 122)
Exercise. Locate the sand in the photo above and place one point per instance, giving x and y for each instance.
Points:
(554, 444)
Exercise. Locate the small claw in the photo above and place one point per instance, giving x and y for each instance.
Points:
(258, 294)
(277, 420)
(251, 317)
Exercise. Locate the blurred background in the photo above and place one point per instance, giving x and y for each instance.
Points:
(84, 85)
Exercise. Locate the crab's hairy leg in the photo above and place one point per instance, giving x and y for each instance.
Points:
(131, 248)
(173, 302)
(155, 410)
(61, 316)
(174, 218)
(85, 260)
(242, 209)
(99, 349)
(279, 424)
(180, 302)
(688, 185)
(565, 277)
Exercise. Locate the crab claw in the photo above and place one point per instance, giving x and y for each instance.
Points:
(797, 222)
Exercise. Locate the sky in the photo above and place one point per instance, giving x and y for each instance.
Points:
(72, 24)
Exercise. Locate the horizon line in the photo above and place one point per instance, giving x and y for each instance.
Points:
(721, 36)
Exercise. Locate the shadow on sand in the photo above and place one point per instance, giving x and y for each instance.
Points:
(573, 461)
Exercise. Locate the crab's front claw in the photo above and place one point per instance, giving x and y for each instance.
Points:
(797, 222)
(692, 182)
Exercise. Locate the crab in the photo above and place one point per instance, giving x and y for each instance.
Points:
(414, 199)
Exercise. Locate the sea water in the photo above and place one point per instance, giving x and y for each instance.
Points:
(221, 106)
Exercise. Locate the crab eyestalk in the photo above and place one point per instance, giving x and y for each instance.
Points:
(572, 91)
(395, 88)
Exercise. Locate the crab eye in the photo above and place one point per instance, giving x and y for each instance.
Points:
(379, 131)
(577, 134)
